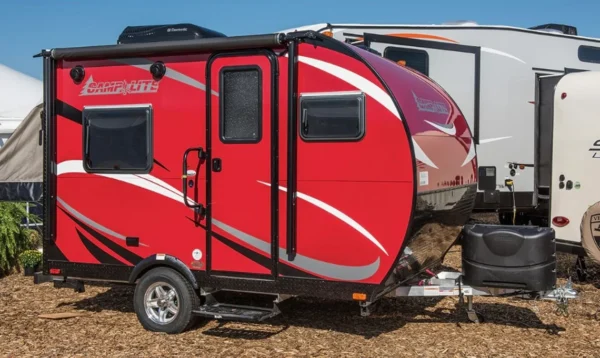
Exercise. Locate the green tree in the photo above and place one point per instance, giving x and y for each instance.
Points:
(14, 238)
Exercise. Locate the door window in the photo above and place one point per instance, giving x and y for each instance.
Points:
(240, 97)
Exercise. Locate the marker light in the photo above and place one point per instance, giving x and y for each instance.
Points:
(560, 221)
(359, 296)
(563, 95)
(402, 63)
(328, 33)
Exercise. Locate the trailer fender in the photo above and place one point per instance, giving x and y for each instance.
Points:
(162, 260)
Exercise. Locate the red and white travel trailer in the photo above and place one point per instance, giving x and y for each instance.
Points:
(318, 176)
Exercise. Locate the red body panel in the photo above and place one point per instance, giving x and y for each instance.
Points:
(355, 200)
(425, 105)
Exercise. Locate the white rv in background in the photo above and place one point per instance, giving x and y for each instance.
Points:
(575, 160)
(492, 73)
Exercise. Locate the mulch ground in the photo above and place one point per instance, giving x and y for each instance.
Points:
(427, 327)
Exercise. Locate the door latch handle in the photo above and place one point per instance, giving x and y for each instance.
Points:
(216, 164)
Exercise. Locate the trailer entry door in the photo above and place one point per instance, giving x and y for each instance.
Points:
(239, 165)
(544, 118)
(455, 67)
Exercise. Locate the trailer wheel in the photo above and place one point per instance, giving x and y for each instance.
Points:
(590, 232)
(164, 300)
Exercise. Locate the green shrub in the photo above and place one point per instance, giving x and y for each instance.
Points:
(14, 238)
(30, 258)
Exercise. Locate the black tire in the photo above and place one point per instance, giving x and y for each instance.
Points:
(187, 301)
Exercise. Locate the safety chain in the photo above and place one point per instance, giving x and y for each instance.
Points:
(562, 303)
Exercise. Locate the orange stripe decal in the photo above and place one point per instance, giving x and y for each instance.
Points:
(423, 36)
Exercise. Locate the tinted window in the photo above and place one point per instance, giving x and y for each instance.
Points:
(117, 139)
(589, 54)
(332, 117)
(240, 104)
(415, 59)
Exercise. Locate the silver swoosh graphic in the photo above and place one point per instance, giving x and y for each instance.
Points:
(326, 269)
(171, 73)
(340, 272)
(449, 129)
(92, 223)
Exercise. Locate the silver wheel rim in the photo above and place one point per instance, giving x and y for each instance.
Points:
(161, 303)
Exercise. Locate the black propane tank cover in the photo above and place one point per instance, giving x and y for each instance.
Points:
(77, 74)
(158, 70)
(517, 257)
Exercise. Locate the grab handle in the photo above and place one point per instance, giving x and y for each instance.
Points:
(184, 176)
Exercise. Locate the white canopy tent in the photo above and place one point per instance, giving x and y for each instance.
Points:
(19, 94)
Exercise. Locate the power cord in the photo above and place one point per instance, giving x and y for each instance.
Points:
(510, 185)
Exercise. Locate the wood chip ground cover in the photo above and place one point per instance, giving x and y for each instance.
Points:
(424, 327)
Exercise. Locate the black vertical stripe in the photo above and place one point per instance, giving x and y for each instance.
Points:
(260, 259)
(124, 253)
(160, 165)
(98, 253)
(69, 112)
(52, 252)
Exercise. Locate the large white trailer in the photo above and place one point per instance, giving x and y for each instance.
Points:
(492, 72)
(574, 128)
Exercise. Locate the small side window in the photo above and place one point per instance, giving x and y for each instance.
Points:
(589, 54)
(240, 97)
(332, 116)
(416, 59)
(117, 139)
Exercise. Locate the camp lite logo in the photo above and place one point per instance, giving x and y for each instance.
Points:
(427, 105)
(92, 88)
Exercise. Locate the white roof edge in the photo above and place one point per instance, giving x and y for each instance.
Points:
(320, 26)
(500, 27)
(314, 27)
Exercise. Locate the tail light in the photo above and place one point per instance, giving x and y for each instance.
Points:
(560, 221)
(55, 271)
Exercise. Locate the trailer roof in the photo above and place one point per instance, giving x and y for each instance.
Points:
(325, 26)
(167, 47)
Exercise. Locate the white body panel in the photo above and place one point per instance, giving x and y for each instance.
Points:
(576, 130)
(510, 58)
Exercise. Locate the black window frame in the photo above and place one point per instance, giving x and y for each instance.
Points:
(362, 120)
(593, 48)
(149, 137)
(222, 73)
(413, 50)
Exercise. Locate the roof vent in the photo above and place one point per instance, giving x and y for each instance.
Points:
(557, 29)
(461, 23)
(170, 32)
